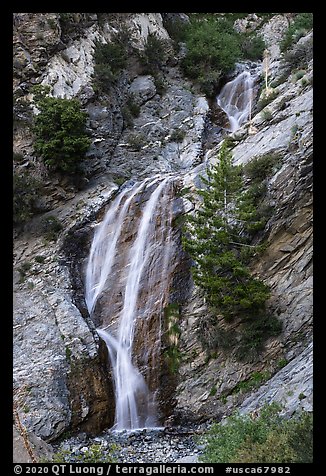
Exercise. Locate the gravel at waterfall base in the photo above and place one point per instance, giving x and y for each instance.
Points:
(163, 445)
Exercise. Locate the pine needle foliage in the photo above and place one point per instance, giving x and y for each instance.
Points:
(215, 236)
(218, 237)
(60, 133)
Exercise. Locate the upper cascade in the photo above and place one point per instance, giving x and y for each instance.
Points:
(236, 99)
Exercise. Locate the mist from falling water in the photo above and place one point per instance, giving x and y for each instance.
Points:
(235, 99)
(135, 406)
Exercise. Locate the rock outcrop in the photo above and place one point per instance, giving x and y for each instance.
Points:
(29, 448)
(210, 386)
(60, 365)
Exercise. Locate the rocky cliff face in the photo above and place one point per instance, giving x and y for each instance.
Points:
(214, 386)
(60, 366)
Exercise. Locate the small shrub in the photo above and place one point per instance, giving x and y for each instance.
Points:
(263, 438)
(155, 54)
(40, 258)
(160, 84)
(267, 114)
(254, 334)
(278, 81)
(177, 135)
(298, 75)
(103, 77)
(68, 354)
(300, 26)
(253, 47)
(110, 59)
(173, 358)
(111, 54)
(261, 168)
(133, 107)
(52, 23)
(255, 380)
(51, 227)
(120, 180)
(299, 56)
(213, 391)
(136, 141)
(305, 82)
(129, 111)
(23, 270)
(266, 99)
(282, 363)
(26, 190)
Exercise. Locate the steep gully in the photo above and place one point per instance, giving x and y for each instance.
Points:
(116, 268)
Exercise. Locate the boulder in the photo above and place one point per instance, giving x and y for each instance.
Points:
(142, 89)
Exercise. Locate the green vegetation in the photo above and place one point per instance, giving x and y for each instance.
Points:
(40, 258)
(60, 132)
(260, 168)
(110, 59)
(136, 141)
(266, 438)
(267, 114)
(215, 238)
(218, 238)
(173, 358)
(254, 381)
(298, 75)
(68, 353)
(282, 363)
(129, 111)
(266, 99)
(26, 191)
(154, 55)
(213, 391)
(302, 23)
(213, 48)
(23, 270)
(298, 58)
(51, 227)
(177, 135)
(176, 31)
(160, 83)
(252, 47)
(94, 454)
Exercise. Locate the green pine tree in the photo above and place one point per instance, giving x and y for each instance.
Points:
(60, 132)
(217, 237)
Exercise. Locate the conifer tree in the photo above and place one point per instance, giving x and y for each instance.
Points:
(217, 238)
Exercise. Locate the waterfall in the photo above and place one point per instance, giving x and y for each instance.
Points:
(145, 265)
(235, 99)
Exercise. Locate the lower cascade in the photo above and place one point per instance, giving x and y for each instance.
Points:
(137, 271)
(236, 98)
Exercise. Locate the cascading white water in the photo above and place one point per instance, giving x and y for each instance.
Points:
(235, 99)
(135, 405)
